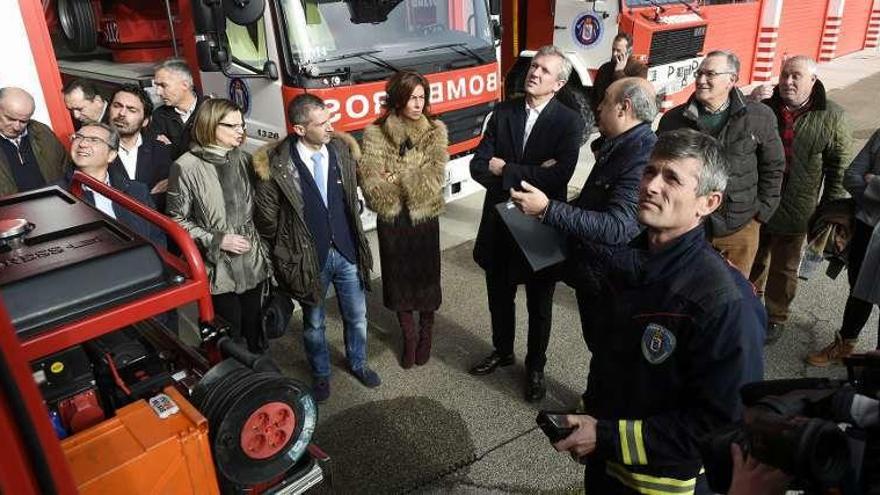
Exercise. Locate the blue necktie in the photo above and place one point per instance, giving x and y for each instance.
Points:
(320, 175)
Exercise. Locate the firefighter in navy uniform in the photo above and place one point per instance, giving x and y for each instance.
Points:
(681, 332)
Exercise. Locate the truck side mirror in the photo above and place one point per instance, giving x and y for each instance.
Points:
(244, 12)
(495, 7)
(600, 6)
(496, 30)
(270, 70)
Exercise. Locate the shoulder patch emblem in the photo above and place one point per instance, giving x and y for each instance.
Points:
(658, 343)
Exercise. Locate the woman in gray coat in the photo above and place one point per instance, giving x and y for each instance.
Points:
(862, 180)
(211, 196)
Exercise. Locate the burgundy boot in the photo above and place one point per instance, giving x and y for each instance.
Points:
(408, 327)
(426, 327)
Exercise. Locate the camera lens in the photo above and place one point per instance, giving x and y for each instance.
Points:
(824, 451)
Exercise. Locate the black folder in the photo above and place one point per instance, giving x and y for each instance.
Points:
(542, 245)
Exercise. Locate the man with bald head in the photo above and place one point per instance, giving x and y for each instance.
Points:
(30, 154)
(817, 140)
(605, 214)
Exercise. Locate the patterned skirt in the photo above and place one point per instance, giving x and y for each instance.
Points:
(410, 256)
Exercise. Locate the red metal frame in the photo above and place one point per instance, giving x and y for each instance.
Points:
(195, 286)
(18, 472)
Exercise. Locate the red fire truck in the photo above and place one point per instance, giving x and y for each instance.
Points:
(263, 53)
(671, 36)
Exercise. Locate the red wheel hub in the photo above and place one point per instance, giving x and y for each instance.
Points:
(267, 430)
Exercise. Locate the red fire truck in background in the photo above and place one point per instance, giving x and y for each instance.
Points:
(261, 54)
(671, 36)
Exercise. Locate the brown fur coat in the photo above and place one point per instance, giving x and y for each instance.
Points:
(391, 181)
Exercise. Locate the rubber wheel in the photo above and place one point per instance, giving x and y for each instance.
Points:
(515, 82)
(574, 96)
(78, 25)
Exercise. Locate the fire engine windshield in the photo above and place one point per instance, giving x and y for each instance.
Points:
(335, 31)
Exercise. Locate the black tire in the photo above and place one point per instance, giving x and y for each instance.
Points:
(574, 95)
(515, 82)
(78, 25)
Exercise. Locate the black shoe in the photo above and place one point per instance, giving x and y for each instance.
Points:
(489, 364)
(774, 331)
(535, 389)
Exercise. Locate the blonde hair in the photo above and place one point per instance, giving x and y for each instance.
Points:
(209, 115)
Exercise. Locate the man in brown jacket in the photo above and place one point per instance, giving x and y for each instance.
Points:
(30, 154)
(622, 64)
(306, 210)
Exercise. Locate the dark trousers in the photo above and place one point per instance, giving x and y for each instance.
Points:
(584, 298)
(502, 308)
(856, 312)
(243, 313)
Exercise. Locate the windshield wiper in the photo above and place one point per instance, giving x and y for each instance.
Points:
(366, 55)
(465, 50)
(655, 4)
(689, 6)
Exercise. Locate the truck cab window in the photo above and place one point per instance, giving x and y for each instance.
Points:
(320, 31)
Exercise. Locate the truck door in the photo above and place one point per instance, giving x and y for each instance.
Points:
(586, 29)
(250, 47)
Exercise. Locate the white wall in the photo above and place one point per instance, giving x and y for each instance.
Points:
(16, 59)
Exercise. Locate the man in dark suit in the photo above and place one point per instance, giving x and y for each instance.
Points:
(536, 139)
(143, 157)
(93, 149)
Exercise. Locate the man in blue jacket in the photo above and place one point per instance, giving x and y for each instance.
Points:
(604, 214)
(679, 331)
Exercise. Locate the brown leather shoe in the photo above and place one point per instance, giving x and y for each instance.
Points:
(832, 353)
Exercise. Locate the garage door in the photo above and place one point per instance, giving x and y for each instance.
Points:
(854, 27)
(800, 30)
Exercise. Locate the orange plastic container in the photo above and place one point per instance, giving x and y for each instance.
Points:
(137, 452)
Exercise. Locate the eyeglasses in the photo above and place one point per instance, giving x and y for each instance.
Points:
(710, 74)
(90, 140)
(235, 127)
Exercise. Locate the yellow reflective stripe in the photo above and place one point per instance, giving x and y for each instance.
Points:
(632, 444)
(650, 485)
(640, 444)
(624, 441)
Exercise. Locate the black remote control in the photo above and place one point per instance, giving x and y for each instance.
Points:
(552, 425)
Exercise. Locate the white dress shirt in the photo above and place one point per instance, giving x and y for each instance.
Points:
(532, 115)
(129, 157)
(305, 154)
(184, 116)
(103, 203)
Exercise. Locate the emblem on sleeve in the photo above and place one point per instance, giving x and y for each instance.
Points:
(658, 343)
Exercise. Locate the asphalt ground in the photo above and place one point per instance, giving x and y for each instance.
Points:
(437, 429)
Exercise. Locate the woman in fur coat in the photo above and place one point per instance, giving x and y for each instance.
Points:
(401, 174)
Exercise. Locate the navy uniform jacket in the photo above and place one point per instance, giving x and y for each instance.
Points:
(680, 332)
(604, 216)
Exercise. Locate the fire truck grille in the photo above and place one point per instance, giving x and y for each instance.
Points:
(670, 46)
(466, 123)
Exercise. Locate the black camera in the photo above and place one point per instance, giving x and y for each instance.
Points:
(795, 425)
